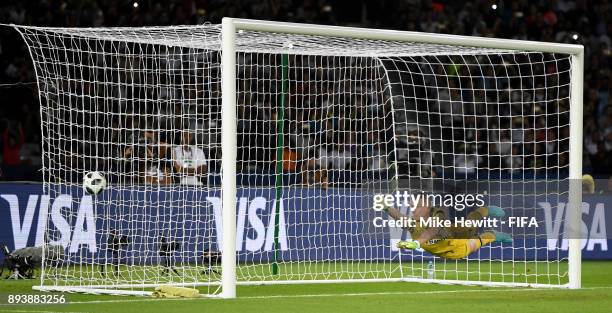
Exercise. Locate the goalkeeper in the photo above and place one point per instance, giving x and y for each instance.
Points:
(450, 242)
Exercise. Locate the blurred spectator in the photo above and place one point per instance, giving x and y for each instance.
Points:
(338, 156)
(465, 163)
(189, 160)
(13, 139)
(145, 155)
(290, 160)
(541, 20)
(514, 161)
(312, 175)
(157, 171)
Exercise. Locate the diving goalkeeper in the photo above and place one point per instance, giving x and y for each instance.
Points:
(449, 242)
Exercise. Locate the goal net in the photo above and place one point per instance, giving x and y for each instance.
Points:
(323, 124)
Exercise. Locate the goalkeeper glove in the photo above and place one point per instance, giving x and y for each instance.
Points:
(409, 245)
(502, 237)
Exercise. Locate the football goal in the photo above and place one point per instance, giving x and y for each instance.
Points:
(250, 152)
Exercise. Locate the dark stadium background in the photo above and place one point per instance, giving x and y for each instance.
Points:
(583, 22)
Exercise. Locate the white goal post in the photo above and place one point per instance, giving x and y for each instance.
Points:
(299, 124)
(230, 26)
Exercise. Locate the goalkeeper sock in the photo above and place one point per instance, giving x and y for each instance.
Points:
(494, 236)
(495, 211)
(502, 237)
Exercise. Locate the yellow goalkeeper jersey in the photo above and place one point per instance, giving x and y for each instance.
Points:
(447, 248)
(442, 246)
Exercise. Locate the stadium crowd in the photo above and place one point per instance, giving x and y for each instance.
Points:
(584, 22)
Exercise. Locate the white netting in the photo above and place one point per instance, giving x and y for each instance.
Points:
(359, 117)
(147, 117)
(495, 124)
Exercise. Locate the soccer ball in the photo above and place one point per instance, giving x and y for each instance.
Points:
(94, 183)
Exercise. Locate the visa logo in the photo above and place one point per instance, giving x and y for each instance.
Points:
(80, 231)
(72, 221)
(593, 235)
(251, 232)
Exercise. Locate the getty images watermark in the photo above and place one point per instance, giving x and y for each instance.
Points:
(422, 204)
(405, 199)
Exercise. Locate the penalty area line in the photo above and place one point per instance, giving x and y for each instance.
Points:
(357, 294)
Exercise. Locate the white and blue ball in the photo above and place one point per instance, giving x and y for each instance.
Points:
(94, 183)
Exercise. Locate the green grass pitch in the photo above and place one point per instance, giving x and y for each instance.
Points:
(595, 296)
